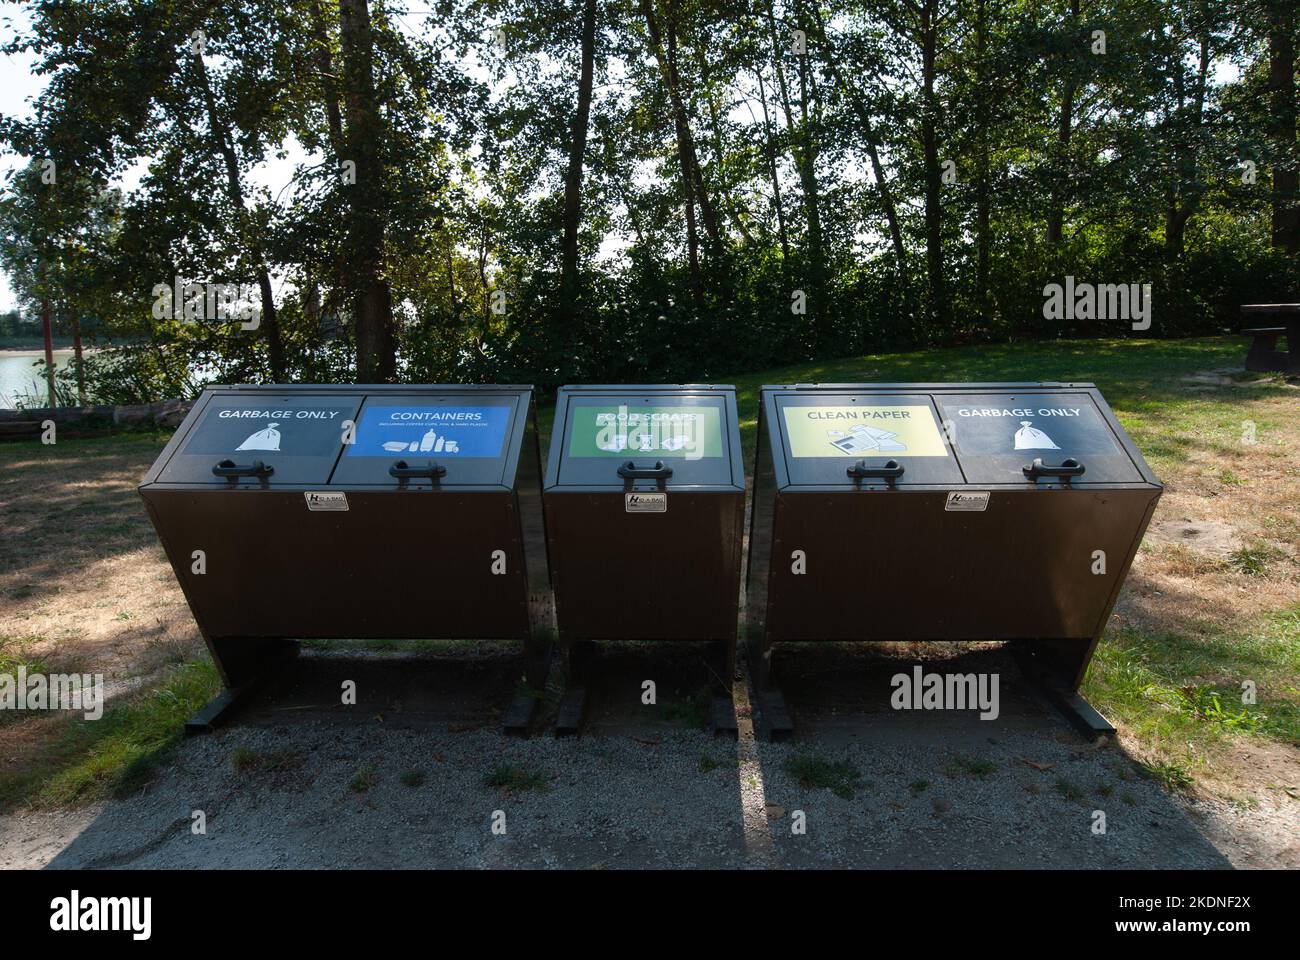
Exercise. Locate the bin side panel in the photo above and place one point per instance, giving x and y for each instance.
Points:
(412, 564)
(646, 576)
(897, 566)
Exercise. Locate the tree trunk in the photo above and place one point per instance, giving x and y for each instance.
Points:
(577, 149)
(770, 151)
(1282, 110)
(78, 361)
(47, 330)
(269, 321)
(982, 202)
(372, 298)
(667, 60)
(933, 176)
(1064, 127)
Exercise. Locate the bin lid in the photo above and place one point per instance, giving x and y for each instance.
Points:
(298, 434)
(997, 433)
(823, 433)
(690, 429)
(466, 433)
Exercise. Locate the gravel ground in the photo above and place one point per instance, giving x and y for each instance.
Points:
(619, 801)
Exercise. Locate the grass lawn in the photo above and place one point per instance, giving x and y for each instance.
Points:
(1212, 603)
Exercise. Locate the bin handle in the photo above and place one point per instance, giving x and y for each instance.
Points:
(233, 471)
(404, 471)
(629, 471)
(1068, 468)
(890, 472)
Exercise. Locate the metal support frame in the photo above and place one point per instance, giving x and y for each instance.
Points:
(253, 670)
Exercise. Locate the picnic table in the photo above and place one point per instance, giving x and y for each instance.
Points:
(1264, 355)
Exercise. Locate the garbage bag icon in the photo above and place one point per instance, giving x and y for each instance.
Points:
(267, 438)
(1029, 437)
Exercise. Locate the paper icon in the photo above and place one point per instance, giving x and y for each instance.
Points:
(864, 439)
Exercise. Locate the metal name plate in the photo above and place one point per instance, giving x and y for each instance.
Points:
(321, 500)
(645, 502)
(964, 501)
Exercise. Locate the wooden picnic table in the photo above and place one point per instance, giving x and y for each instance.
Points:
(1264, 355)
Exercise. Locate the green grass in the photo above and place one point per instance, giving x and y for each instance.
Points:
(364, 779)
(690, 711)
(840, 777)
(111, 757)
(513, 779)
(1183, 690)
(978, 767)
(1139, 378)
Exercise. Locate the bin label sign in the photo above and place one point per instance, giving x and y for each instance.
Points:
(862, 430)
(645, 502)
(1003, 426)
(967, 501)
(295, 431)
(691, 432)
(442, 430)
(331, 502)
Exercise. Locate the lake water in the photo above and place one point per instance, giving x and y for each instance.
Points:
(19, 376)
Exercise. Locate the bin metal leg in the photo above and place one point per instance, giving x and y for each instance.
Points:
(518, 720)
(722, 711)
(244, 666)
(1056, 668)
(578, 657)
(774, 721)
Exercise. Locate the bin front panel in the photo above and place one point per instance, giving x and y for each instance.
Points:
(823, 434)
(688, 432)
(899, 566)
(413, 563)
(468, 434)
(627, 576)
(998, 434)
(299, 435)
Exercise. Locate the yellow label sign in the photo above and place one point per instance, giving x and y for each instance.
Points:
(863, 431)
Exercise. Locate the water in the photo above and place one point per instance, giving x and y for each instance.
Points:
(19, 377)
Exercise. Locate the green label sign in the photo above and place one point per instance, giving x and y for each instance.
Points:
(692, 432)
(863, 431)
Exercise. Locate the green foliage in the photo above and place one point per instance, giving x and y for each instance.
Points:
(848, 196)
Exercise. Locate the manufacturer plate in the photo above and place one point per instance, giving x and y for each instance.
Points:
(964, 501)
(333, 501)
(645, 502)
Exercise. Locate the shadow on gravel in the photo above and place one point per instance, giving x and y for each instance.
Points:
(417, 775)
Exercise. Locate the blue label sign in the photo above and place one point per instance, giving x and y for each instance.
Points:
(442, 431)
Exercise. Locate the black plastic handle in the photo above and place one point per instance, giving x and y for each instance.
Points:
(629, 471)
(233, 471)
(890, 472)
(1065, 470)
(404, 471)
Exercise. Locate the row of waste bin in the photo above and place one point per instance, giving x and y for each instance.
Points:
(879, 512)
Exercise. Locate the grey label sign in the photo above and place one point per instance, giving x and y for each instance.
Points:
(320, 500)
(645, 502)
(966, 501)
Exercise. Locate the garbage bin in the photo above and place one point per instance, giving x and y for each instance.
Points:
(943, 512)
(645, 507)
(374, 511)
